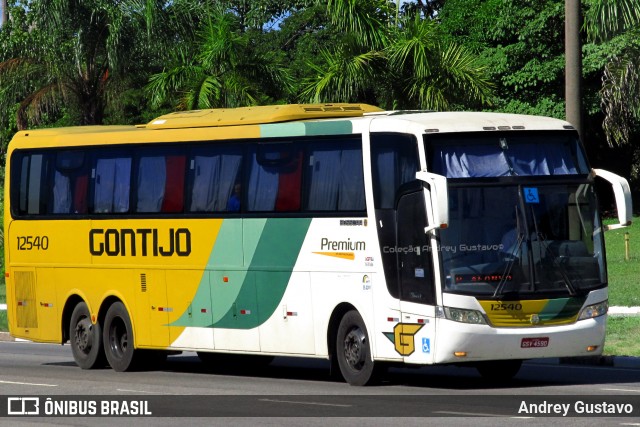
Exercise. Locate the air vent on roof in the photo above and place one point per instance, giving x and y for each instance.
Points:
(330, 108)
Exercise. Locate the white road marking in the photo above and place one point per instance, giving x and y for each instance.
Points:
(305, 403)
(34, 384)
(622, 389)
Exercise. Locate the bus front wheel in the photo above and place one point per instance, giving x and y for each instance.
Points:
(118, 338)
(353, 351)
(86, 339)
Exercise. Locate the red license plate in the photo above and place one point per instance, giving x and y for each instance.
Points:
(534, 342)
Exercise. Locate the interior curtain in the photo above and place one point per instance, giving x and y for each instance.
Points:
(112, 185)
(61, 193)
(152, 177)
(263, 186)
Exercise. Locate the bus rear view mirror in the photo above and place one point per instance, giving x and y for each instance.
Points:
(439, 197)
(622, 193)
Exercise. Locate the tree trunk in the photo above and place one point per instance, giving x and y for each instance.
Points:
(4, 12)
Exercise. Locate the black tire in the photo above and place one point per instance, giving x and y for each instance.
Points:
(353, 351)
(118, 339)
(86, 339)
(499, 371)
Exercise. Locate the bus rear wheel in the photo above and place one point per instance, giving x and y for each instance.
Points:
(86, 339)
(353, 351)
(118, 338)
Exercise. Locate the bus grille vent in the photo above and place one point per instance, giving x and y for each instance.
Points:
(26, 313)
(143, 282)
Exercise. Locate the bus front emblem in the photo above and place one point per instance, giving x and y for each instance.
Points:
(535, 319)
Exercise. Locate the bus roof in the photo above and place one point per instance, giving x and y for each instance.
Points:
(258, 115)
(217, 124)
(465, 121)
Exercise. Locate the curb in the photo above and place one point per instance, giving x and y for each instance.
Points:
(4, 336)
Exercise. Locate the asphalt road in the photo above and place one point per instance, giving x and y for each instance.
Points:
(301, 392)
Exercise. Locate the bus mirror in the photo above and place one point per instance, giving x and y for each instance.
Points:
(439, 198)
(622, 192)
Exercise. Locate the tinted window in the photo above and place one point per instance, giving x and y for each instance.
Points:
(394, 161)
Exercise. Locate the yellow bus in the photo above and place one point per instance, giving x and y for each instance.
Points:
(335, 231)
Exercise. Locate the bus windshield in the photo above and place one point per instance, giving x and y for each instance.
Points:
(513, 240)
(504, 154)
(523, 214)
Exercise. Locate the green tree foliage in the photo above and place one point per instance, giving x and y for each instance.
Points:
(222, 66)
(394, 58)
(521, 43)
(75, 56)
(618, 22)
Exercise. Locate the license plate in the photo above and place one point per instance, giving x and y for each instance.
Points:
(534, 342)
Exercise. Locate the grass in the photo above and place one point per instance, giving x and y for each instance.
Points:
(623, 274)
(622, 336)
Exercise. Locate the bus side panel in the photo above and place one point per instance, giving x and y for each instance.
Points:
(151, 312)
(193, 328)
(291, 325)
(33, 293)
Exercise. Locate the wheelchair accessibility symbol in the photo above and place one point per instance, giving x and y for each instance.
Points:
(531, 195)
(426, 345)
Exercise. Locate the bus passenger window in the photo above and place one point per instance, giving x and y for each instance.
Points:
(336, 181)
(112, 184)
(160, 184)
(174, 188)
(70, 183)
(215, 174)
(152, 178)
(275, 178)
(32, 192)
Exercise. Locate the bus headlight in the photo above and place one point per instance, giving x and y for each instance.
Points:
(595, 310)
(463, 315)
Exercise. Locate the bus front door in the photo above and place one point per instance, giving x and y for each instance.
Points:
(416, 330)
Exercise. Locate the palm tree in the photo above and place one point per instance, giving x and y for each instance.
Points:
(78, 54)
(620, 93)
(398, 61)
(224, 68)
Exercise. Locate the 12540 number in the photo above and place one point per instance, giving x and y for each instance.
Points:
(28, 243)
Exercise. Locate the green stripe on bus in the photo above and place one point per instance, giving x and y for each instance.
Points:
(272, 247)
(562, 308)
(279, 245)
(339, 127)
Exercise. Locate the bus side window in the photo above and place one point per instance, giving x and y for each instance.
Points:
(215, 179)
(275, 178)
(112, 183)
(33, 174)
(160, 183)
(394, 161)
(174, 191)
(152, 178)
(70, 180)
(335, 178)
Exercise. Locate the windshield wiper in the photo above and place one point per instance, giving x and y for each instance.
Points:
(509, 266)
(563, 273)
(547, 250)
